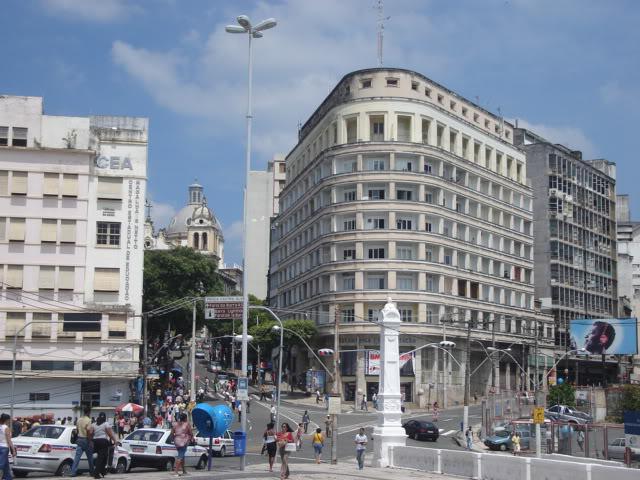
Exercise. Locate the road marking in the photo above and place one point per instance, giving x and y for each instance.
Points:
(449, 433)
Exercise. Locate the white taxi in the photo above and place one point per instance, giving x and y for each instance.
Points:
(221, 446)
(48, 448)
(153, 447)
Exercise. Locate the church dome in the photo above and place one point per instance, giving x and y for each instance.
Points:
(195, 214)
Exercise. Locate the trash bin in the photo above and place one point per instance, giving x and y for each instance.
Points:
(239, 443)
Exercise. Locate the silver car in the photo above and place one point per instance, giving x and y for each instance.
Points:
(48, 449)
(617, 448)
(220, 446)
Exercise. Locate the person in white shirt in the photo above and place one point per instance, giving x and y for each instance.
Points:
(6, 446)
(361, 445)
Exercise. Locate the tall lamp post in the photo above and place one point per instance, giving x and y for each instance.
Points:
(245, 26)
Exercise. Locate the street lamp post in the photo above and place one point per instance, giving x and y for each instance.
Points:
(245, 26)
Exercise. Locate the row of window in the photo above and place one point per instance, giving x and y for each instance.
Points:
(43, 324)
(50, 365)
(581, 175)
(55, 185)
(18, 137)
(55, 231)
(59, 278)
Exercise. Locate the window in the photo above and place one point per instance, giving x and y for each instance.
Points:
(376, 164)
(349, 224)
(404, 253)
(350, 196)
(348, 281)
(376, 223)
(375, 282)
(377, 129)
(47, 278)
(91, 366)
(404, 129)
(404, 224)
(41, 325)
(392, 82)
(452, 105)
(440, 99)
(108, 233)
(8, 365)
(117, 326)
(347, 315)
(14, 276)
(429, 255)
(15, 323)
(352, 129)
(427, 168)
(107, 279)
(365, 83)
(4, 136)
(447, 259)
(52, 365)
(90, 393)
(110, 188)
(19, 183)
(4, 182)
(428, 197)
(66, 278)
(19, 137)
(414, 85)
(51, 184)
(428, 227)
(430, 284)
(427, 92)
(406, 315)
(404, 283)
(69, 185)
(38, 397)
(16, 229)
(349, 254)
(404, 194)
(67, 231)
(376, 253)
(376, 194)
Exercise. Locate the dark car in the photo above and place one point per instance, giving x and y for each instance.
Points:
(418, 429)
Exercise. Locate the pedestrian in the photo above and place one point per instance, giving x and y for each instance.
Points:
(327, 426)
(305, 420)
(361, 445)
(363, 403)
(286, 445)
(182, 436)
(374, 399)
(299, 433)
(126, 426)
(515, 441)
(270, 445)
(248, 405)
(273, 413)
(435, 411)
(84, 442)
(580, 439)
(103, 438)
(469, 437)
(6, 446)
(318, 442)
(263, 392)
(317, 396)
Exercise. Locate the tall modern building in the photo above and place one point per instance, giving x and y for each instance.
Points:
(399, 187)
(575, 242)
(72, 195)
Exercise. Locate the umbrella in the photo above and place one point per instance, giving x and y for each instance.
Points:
(130, 407)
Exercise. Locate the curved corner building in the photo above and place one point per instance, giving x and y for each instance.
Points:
(401, 188)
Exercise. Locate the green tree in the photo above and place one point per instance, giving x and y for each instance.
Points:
(564, 394)
(173, 274)
(267, 339)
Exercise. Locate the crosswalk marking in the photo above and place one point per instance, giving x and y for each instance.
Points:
(449, 433)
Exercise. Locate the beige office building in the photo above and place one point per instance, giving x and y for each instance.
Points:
(400, 188)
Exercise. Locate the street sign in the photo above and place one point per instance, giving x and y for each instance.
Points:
(242, 391)
(335, 407)
(538, 415)
(223, 308)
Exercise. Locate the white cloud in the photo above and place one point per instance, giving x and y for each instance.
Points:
(161, 214)
(570, 137)
(92, 10)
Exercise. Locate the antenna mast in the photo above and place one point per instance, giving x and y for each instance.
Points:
(381, 20)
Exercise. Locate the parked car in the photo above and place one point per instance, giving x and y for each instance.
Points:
(418, 429)
(221, 446)
(618, 446)
(153, 447)
(501, 440)
(214, 367)
(564, 413)
(48, 449)
(199, 354)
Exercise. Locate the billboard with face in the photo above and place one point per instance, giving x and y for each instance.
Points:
(613, 336)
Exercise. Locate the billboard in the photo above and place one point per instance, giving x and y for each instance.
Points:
(373, 361)
(613, 336)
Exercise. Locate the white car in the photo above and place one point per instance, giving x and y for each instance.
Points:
(48, 448)
(153, 447)
(221, 446)
(199, 354)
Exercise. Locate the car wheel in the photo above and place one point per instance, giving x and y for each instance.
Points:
(202, 463)
(167, 465)
(223, 451)
(121, 467)
(503, 447)
(64, 470)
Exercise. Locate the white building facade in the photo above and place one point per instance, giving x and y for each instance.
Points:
(400, 188)
(72, 193)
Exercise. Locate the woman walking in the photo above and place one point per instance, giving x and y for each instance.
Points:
(299, 433)
(6, 446)
(306, 420)
(270, 446)
(103, 438)
(318, 442)
(286, 445)
(182, 435)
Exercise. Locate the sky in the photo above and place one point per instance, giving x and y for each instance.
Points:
(567, 69)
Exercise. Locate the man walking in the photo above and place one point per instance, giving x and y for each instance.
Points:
(469, 436)
(83, 444)
(361, 445)
(273, 413)
(363, 403)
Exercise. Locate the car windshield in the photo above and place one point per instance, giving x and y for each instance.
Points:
(503, 434)
(44, 431)
(145, 436)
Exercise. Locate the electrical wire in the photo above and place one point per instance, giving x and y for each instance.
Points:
(47, 301)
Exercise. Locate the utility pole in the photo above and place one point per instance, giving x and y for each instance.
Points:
(192, 396)
(336, 386)
(467, 380)
(145, 360)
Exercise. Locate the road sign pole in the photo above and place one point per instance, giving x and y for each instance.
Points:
(538, 442)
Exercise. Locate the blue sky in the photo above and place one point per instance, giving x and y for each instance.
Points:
(568, 69)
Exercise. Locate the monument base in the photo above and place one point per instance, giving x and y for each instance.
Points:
(383, 438)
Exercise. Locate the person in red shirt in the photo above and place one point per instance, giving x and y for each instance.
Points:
(286, 445)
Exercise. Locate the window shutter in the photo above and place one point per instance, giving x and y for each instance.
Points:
(4, 182)
(15, 322)
(66, 278)
(51, 184)
(68, 231)
(117, 326)
(40, 328)
(110, 187)
(47, 277)
(14, 276)
(49, 230)
(3, 228)
(16, 229)
(69, 185)
(106, 279)
(19, 183)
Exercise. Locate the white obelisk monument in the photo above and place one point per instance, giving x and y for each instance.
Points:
(389, 430)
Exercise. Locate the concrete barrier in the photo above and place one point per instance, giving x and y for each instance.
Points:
(416, 458)
(503, 467)
(601, 472)
(558, 470)
(462, 464)
(571, 458)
